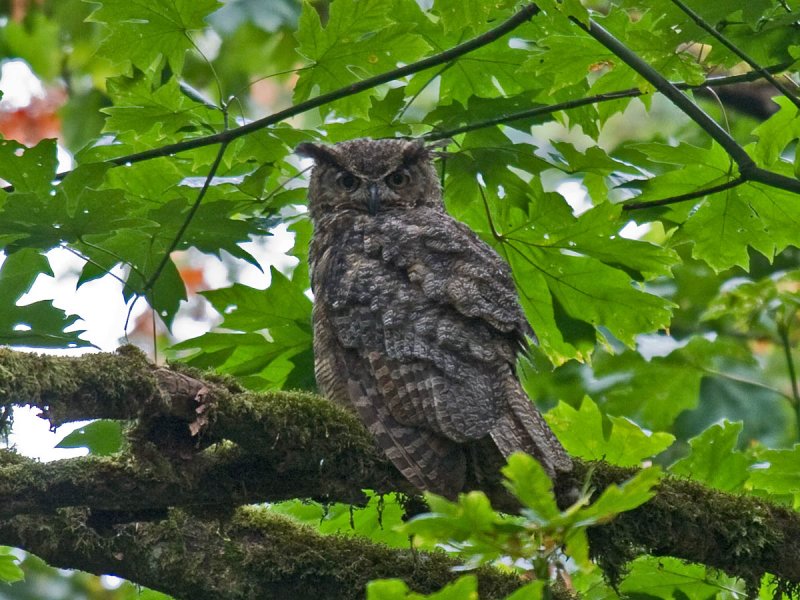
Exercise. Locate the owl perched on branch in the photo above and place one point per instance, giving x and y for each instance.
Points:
(416, 320)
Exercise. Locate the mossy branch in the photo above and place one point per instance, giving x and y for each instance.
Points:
(298, 445)
(252, 554)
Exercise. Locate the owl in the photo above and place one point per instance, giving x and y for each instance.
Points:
(417, 324)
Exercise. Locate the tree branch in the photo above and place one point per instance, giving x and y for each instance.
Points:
(521, 16)
(737, 51)
(536, 111)
(251, 554)
(299, 445)
(688, 196)
(746, 166)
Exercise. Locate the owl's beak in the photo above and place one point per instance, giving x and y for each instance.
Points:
(374, 200)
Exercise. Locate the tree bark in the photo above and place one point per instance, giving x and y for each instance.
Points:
(247, 555)
(205, 445)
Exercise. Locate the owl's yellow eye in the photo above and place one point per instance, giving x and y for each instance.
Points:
(398, 179)
(348, 181)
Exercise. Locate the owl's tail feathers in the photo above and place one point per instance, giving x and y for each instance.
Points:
(523, 428)
(429, 461)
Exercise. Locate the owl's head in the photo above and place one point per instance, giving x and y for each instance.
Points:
(371, 177)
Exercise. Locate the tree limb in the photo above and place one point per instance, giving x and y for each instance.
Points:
(711, 82)
(299, 445)
(525, 13)
(252, 554)
(744, 162)
(703, 24)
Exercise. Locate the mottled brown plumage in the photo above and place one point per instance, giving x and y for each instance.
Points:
(416, 320)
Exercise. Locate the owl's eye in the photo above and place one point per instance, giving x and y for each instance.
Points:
(398, 179)
(348, 181)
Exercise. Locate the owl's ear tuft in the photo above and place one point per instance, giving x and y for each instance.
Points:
(318, 152)
(414, 151)
(437, 149)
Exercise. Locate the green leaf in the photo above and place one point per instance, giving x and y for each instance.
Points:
(387, 589)
(283, 311)
(630, 390)
(622, 442)
(724, 226)
(456, 521)
(573, 274)
(463, 588)
(37, 41)
(101, 438)
(566, 59)
(378, 520)
(670, 578)
(359, 40)
(534, 590)
(621, 498)
(73, 210)
(527, 480)
(29, 169)
(282, 304)
(38, 324)
(145, 32)
(382, 119)
(212, 228)
(777, 132)
(138, 249)
(139, 106)
(714, 459)
(10, 570)
(459, 16)
(782, 476)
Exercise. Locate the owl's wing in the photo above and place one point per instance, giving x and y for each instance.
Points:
(480, 328)
(428, 460)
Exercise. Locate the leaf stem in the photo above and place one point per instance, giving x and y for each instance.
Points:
(783, 334)
(185, 225)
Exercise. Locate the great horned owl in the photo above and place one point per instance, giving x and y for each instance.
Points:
(416, 320)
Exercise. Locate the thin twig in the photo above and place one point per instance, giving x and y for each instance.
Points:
(737, 51)
(91, 261)
(422, 88)
(596, 99)
(523, 15)
(495, 234)
(676, 96)
(688, 196)
(783, 334)
(185, 225)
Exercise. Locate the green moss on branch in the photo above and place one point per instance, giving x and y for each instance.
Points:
(254, 555)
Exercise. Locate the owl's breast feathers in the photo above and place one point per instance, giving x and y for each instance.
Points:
(431, 302)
